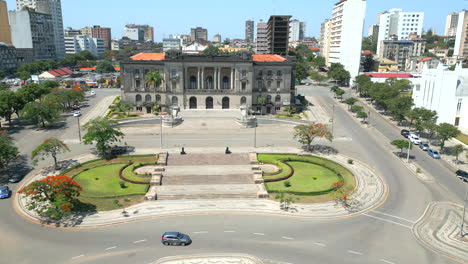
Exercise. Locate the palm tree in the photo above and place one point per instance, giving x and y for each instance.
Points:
(154, 78)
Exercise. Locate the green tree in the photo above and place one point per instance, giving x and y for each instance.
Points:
(399, 107)
(4, 87)
(318, 62)
(41, 113)
(154, 78)
(356, 108)
(305, 134)
(362, 115)
(211, 50)
(369, 44)
(446, 131)
(65, 98)
(49, 85)
(302, 70)
(32, 92)
(338, 73)
(24, 76)
(430, 127)
(285, 201)
(121, 107)
(402, 85)
(401, 144)
(316, 76)
(261, 100)
(104, 132)
(53, 197)
(8, 150)
(87, 55)
(50, 147)
(350, 102)
(7, 103)
(458, 149)
(340, 193)
(104, 67)
(363, 83)
(339, 93)
(381, 93)
(101, 81)
(2, 74)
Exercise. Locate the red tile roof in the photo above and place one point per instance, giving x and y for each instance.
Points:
(267, 58)
(389, 75)
(93, 69)
(426, 59)
(367, 52)
(149, 56)
(60, 72)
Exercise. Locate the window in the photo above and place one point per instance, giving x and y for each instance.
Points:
(244, 73)
(148, 98)
(137, 72)
(193, 82)
(137, 84)
(278, 98)
(279, 73)
(138, 98)
(269, 84)
(244, 86)
(226, 82)
(278, 84)
(260, 73)
(277, 108)
(259, 84)
(146, 71)
(139, 108)
(175, 101)
(269, 73)
(158, 98)
(243, 100)
(173, 73)
(268, 99)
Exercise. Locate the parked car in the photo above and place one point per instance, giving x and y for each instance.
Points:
(462, 175)
(4, 192)
(424, 146)
(433, 153)
(93, 93)
(405, 133)
(119, 150)
(77, 114)
(15, 178)
(75, 107)
(414, 138)
(175, 239)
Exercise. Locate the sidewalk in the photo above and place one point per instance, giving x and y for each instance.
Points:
(371, 191)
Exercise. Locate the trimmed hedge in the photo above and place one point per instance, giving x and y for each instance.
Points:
(274, 172)
(127, 180)
(282, 178)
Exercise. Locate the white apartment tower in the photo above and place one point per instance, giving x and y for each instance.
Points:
(262, 38)
(297, 31)
(461, 40)
(346, 30)
(53, 8)
(325, 40)
(451, 25)
(401, 24)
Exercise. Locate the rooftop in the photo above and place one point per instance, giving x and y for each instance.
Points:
(389, 75)
(149, 56)
(267, 58)
(162, 56)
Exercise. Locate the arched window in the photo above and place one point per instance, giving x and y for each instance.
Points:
(243, 100)
(193, 82)
(175, 101)
(226, 82)
(278, 98)
(225, 103)
(148, 98)
(268, 99)
(158, 99)
(193, 103)
(209, 103)
(279, 73)
(209, 82)
(138, 98)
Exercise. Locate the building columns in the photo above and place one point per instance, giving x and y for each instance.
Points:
(198, 78)
(186, 78)
(232, 78)
(202, 86)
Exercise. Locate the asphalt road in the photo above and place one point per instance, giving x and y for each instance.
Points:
(381, 236)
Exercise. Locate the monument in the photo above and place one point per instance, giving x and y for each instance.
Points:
(245, 120)
(173, 119)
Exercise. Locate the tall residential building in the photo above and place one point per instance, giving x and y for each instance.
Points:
(451, 25)
(77, 44)
(5, 31)
(325, 40)
(199, 33)
(399, 23)
(140, 33)
(262, 41)
(171, 44)
(217, 38)
(70, 32)
(346, 30)
(297, 31)
(461, 41)
(8, 57)
(97, 31)
(249, 31)
(373, 30)
(53, 8)
(278, 35)
(33, 31)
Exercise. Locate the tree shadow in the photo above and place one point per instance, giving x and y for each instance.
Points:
(322, 149)
(17, 167)
(82, 210)
(404, 155)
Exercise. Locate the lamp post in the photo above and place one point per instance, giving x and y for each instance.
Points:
(79, 129)
(407, 156)
(160, 133)
(462, 234)
(333, 120)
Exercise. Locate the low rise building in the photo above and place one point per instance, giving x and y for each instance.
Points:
(401, 50)
(386, 65)
(171, 43)
(194, 48)
(416, 64)
(209, 82)
(8, 58)
(77, 44)
(445, 92)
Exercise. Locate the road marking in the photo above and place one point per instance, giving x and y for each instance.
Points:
(386, 261)
(139, 241)
(354, 252)
(259, 234)
(394, 216)
(109, 248)
(387, 220)
(319, 244)
(288, 238)
(229, 231)
(78, 256)
(200, 232)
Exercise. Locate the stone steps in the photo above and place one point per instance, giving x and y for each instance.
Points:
(175, 192)
(208, 179)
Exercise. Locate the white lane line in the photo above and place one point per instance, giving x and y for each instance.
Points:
(109, 248)
(229, 231)
(320, 244)
(288, 238)
(386, 261)
(397, 217)
(200, 232)
(354, 252)
(259, 234)
(78, 257)
(388, 221)
(139, 241)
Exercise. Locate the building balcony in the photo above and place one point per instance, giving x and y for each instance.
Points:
(211, 91)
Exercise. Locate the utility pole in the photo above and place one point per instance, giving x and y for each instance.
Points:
(255, 135)
(79, 129)
(160, 134)
(462, 234)
(333, 120)
(409, 147)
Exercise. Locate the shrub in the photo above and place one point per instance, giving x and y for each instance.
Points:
(127, 200)
(287, 184)
(315, 178)
(97, 179)
(418, 170)
(350, 161)
(122, 185)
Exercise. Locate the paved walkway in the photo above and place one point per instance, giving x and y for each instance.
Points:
(439, 230)
(371, 191)
(214, 259)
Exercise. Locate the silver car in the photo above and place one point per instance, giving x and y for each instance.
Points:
(424, 146)
(175, 239)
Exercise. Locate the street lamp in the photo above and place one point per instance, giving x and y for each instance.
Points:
(409, 147)
(79, 129)
(255, 124)
(333, 119)
(160, 133)
(462, 234)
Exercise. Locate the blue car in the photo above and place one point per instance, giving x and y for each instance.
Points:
(433, 153)
(4, 192)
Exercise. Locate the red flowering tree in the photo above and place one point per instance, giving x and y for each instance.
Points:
(305, 134)
(340, 193)
(52, 197)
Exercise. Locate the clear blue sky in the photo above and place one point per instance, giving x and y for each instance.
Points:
(228, 17)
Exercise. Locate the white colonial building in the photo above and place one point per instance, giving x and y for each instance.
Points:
(209, 82)
(445, 92)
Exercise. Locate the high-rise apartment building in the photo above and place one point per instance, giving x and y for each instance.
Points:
(5, 31)
(140, 33)
(217, 38)
(77, 44)
(262, 40)
(451, 25)
(399, 23)
(325, 40)
(346, 30)
(297, 31)
(278, 35)
(199, 33)
(249, 31)
(53, 8)
(461, 40)
(97, 31)
(70, 32)
(33, 31)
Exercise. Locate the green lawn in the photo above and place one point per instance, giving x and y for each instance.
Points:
(463, 138)
(307, 178)
(294, 116)
(103, 181)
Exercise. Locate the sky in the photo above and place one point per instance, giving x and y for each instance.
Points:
(228, 17)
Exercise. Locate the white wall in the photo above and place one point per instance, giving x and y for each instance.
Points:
(21, 34)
